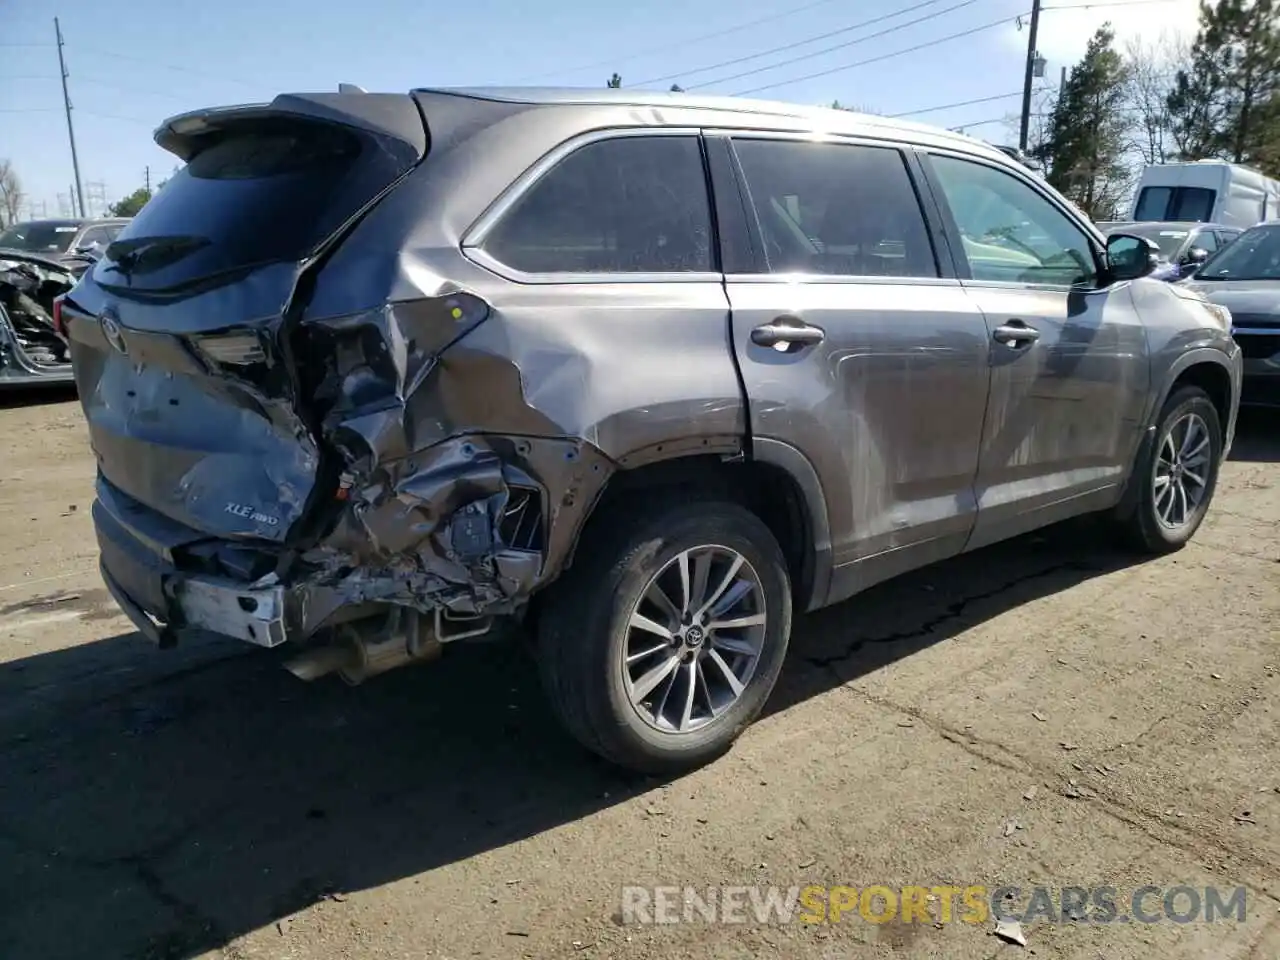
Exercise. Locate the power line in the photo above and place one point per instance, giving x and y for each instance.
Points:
(136, 91)
(1107, 3)
(667, 48)
(839, 46)
(83, 113)
(886, 56)
(961, 127)
(960, 103)
(167, 66)
(116, 116)
(799, 43)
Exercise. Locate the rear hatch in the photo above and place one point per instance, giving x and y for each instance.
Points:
(191, 376)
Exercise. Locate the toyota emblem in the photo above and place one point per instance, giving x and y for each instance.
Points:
(112, 332)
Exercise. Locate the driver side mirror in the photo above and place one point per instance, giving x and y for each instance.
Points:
(1130, 257)
(1196, 255)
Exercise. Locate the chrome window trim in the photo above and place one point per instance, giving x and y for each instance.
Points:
(850, 279)
(840, 139)
(472, 244)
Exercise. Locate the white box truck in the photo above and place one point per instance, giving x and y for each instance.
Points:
(1208, 191)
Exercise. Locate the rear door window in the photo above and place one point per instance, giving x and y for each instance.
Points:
(836, 209)
(632, 204)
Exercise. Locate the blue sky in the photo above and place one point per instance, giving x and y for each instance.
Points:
(132, 64)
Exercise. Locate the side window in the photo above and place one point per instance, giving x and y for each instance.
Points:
(1011, 232)
(625, 205)
(842, 209)
(1207, 240)
(94, 235)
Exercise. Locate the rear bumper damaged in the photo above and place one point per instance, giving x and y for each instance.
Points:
(465, 530)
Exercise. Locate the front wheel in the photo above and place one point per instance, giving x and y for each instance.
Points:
(1177, 474)
(665, 638)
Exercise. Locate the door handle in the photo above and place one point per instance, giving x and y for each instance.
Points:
(787, 330)
(1016, 333)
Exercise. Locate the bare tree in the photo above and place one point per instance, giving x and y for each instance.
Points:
(1152, 68)
(11, 195)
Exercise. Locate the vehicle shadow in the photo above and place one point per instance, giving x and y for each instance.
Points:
(222, 794)
(1257, 435)
(158, 805)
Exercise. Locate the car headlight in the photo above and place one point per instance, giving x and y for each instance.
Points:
(1221, 314)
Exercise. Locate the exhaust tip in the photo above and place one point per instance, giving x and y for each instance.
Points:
(318, 663)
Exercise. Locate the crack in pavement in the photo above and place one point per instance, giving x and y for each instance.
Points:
(1145, 822)
(194, 930)
(953, 611)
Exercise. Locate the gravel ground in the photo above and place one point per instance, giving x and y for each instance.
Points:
(1045, 712)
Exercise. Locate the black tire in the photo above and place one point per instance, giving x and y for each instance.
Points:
(1140, 525)
(583, 630)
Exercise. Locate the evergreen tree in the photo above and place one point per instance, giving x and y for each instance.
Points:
(615, 82)
(1084, 146)
(1226, 104)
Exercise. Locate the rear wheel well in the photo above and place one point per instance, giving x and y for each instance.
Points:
(1214, 380)
(766, 490)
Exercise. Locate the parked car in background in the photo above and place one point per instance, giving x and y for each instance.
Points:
(73, 238)
(1206, 191)
(32, 349)
(1183, 246)
(1245, 278)
(377, 373)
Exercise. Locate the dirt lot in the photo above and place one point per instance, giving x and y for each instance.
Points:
(204, 803)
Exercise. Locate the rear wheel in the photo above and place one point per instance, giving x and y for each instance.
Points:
(1177, 474)
(664, 640)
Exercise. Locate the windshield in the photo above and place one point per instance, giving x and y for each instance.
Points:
(1168, 239)
(1255, 255)
(39, 236)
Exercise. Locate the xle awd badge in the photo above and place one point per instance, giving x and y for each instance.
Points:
(112, 332)
(248, 513)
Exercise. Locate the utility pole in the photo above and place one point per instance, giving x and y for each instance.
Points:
(66, 102)
(1030, 75)
(96, 192)
(146, 172)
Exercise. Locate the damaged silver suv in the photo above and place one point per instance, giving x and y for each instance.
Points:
(652, 374)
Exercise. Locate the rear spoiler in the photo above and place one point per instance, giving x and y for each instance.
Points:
(386, 115)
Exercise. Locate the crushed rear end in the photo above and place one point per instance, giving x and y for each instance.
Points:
(260, 472)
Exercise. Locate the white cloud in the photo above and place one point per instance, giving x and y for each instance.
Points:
(1065, 33)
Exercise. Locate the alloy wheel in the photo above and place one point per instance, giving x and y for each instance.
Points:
(1180, 481)
(694, 639)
